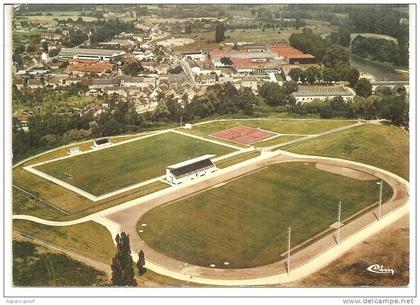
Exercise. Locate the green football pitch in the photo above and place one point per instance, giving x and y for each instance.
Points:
(113, 168)
(245, 221)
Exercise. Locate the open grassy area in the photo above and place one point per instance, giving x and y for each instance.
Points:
(89, 239)
(245, 221)
(279, 126)
(34, 266)
(113, 168)
(276, 141)
(386, 147)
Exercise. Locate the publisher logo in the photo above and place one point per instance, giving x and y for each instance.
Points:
(376, 268)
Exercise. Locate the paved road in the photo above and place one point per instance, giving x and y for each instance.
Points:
(187, 69)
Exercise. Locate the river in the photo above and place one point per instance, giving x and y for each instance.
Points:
(376, 72)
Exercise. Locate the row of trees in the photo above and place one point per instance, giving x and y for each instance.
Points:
(219, 34)
(218, 99)
(327, 75)
(392, 107)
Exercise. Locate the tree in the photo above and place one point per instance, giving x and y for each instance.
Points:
(178, 69)
(19, 49)
(226, 61)
(247, 100)
(394, 108)
(363, 87)
(53, 52)
(290, 87)
(312, 74)
(132, 68)
(141, 262)
(122, 263)
(45, 45)
(220, 32)
(329, 75)
(273, 94)
(295, 74)
(353, 76)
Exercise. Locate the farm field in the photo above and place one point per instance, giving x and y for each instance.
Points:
(386, 147)
(274, 125)
(206, 39)
(113, 168)
(50, 19)
(245, 221)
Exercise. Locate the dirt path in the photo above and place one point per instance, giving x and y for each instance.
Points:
(345, 171)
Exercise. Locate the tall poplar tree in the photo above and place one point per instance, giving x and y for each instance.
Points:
(122, 263)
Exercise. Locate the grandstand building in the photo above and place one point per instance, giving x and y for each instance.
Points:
(189, 170)
(102, 142)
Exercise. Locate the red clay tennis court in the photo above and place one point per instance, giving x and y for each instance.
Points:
(243, 135)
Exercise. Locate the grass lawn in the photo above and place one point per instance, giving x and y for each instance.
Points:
(237, 159)
(89, 239)
(386, 147)
(245, 221)
(279, 126)
(35, 266)
(113, 168)
(53, 193)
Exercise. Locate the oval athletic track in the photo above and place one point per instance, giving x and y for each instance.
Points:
(311, 258)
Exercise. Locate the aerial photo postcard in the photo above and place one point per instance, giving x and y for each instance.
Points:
(209, 145)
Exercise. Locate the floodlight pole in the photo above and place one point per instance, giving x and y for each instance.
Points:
(181, 120)
(381, 184)
(339, 223)
(288, 251)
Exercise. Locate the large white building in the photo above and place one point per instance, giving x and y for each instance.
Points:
(306, 94)
(190, 170)
(91, 54)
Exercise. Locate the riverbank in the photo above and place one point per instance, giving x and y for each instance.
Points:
(375, 71)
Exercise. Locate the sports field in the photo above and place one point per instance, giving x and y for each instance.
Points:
(244, 222)
(113, 168)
